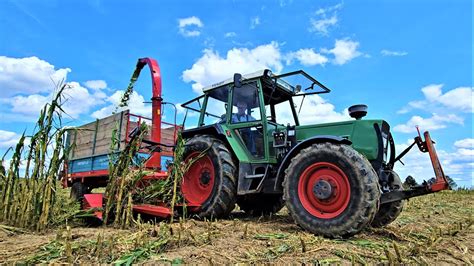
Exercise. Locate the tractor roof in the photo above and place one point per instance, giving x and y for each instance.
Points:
(229, 81)
(276, 88)
(294, 83)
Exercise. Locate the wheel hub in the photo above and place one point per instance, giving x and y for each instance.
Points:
(322, 190)
(198, 182)
(205, 178)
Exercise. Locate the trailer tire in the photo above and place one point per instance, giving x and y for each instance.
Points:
(331, 190)
(388, 212)
(261, 204)
(211, 180)
(78, 189)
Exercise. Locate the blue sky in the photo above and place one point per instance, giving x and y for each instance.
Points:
(410, 61)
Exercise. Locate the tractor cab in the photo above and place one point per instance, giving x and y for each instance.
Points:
(255, 110)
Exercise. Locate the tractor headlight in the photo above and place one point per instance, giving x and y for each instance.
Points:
(385, 146)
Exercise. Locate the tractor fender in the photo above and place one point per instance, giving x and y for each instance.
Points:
(213, 130)
(298, 147)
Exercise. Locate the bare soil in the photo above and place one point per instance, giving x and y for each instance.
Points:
(434, 229)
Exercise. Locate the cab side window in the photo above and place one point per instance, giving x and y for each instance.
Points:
(246, 108)
(245, 104)
(216, 106)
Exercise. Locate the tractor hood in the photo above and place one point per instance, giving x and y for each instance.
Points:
(365, 135)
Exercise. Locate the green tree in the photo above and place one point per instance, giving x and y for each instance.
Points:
(409, 182)
(451, 182)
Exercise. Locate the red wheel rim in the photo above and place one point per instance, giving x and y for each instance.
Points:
(198, 182)
(337, 199)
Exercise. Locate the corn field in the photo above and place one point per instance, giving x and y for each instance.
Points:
(29, 196)
(435, 229)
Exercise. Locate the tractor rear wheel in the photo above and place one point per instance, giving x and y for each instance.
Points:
(261, 204)
(331, 190)
(388, 212)
(211, 180)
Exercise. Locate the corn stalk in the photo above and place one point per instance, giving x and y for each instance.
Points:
(122, 180)
(30, 201)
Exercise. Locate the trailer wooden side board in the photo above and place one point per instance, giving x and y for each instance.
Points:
(91, 143)
(96, 137)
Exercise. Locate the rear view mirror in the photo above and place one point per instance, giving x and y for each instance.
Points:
(298, 88)
(237, 80)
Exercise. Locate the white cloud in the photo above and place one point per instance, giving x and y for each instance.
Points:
(136, 105)
(344, 51)
(28, 75)
(242, 44)
(317, 110)
(466, 152)
(307, 57)
(39, 79)
(314, 110)
(322, 25)
(325, 18)
(96, 84)
(432, 91)
(212, 68)
(283, 3)
(323, 11)
(34, 102)
(230, 34)
(393, 53)
(77, 100)
(254, 22)
(209, 42)
(8, 139)
(189, 27)
(458, 99)
(433, 123)
(465, 143)
(80, 100)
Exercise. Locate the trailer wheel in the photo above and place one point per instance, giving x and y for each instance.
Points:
(331, 190)
(78, 189)
(261, 204)
(211, 180)
(388, 212)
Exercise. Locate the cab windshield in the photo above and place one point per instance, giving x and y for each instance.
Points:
(299, 83)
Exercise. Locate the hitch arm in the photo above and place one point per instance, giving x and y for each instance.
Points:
(440, 182)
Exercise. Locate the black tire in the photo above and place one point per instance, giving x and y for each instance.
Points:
(358, 177)
(261, 204)
(78, 189)
(222, 198)
(388, 212)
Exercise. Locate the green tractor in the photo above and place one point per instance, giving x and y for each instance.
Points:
(251, 149)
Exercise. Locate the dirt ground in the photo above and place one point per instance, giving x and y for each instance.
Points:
(434, 229)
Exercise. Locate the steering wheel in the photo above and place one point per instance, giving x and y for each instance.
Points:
(259, 130)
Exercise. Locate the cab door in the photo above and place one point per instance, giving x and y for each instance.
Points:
(245, 119)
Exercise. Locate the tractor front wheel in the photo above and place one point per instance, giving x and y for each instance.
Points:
(331, 190)
(388, 212)
(210, 181)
